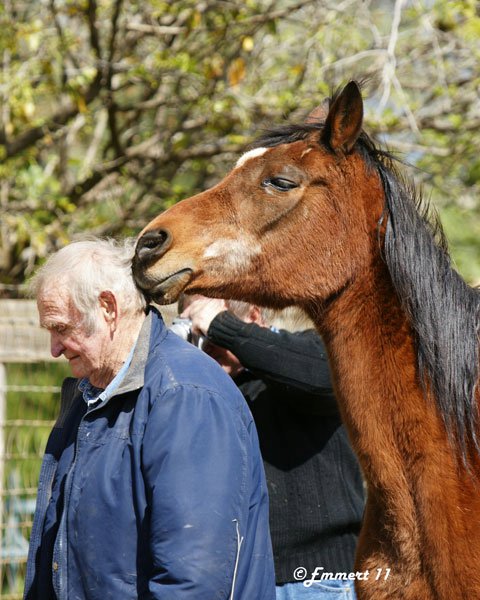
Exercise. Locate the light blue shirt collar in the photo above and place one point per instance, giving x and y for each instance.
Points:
(92, 395)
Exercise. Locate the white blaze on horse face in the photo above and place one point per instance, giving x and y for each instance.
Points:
(235, 255)
(250, 154)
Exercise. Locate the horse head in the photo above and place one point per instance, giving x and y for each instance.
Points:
(293, 221)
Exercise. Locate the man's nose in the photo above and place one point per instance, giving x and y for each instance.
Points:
(56, 346)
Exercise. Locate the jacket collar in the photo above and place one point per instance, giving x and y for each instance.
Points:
(152, 328)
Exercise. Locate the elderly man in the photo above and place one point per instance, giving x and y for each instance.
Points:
(152, 483)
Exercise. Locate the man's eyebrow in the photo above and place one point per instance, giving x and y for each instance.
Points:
(48, 324)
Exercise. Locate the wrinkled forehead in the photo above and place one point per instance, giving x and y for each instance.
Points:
(53, 289)
(53, 302)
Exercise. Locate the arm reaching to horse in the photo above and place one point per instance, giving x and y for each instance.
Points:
(296, 359)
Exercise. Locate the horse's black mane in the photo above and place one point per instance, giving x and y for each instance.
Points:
(444, 311)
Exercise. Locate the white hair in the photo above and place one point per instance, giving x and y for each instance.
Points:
(242, 309)
(86, 269)
(291, 318)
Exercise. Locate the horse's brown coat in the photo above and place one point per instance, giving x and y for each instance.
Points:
(317, 246)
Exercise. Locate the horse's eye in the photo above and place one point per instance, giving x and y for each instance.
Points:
(279, 183)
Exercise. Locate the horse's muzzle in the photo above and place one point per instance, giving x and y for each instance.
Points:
(163, 288)
(150, 247)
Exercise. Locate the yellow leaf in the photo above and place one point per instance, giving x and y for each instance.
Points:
(247, 43)
(297, 69)
(237, 71)
(196, 19)
(82, 105)
(28, 110)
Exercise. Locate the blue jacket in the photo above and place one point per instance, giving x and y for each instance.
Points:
(158, 492)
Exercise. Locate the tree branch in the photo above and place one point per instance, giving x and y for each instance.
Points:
(111, 104)
(92, 26)
(58, 120)
(150, 150)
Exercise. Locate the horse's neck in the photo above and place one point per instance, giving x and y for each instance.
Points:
(369, 336)
(373, 361)
(419, 502)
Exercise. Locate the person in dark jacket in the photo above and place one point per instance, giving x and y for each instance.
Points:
(152, 484)
(314, 481)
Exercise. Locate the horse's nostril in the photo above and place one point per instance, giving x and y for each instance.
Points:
(152, 244)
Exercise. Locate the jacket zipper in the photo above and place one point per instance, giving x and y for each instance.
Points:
(239, 545)
(60, 550)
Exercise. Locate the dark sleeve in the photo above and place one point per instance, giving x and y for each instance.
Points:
(298, 359)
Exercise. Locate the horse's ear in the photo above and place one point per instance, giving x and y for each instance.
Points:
(344, 120)
(319, 114)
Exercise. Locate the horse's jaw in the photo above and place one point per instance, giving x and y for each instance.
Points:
(162, 288)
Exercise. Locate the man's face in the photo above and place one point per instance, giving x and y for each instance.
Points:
(69, 336)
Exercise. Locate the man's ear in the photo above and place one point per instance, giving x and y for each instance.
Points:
(108, 306)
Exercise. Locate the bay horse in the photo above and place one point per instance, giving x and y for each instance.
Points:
(315, 215)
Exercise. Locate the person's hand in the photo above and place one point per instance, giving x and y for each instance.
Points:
(201, 311)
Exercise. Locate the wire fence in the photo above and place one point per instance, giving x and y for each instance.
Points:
(28, 415)
(29, 401)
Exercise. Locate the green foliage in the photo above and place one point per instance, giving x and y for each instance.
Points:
(463, 235)
(108, 118)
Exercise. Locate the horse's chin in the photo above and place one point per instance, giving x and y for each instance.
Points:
(169, 289)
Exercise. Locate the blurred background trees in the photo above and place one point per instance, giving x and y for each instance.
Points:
(112, 110)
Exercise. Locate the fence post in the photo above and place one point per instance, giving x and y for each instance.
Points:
(3, 418)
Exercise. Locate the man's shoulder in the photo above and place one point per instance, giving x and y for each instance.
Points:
(173, 363)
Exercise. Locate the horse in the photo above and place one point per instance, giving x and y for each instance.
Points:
(316, 215)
